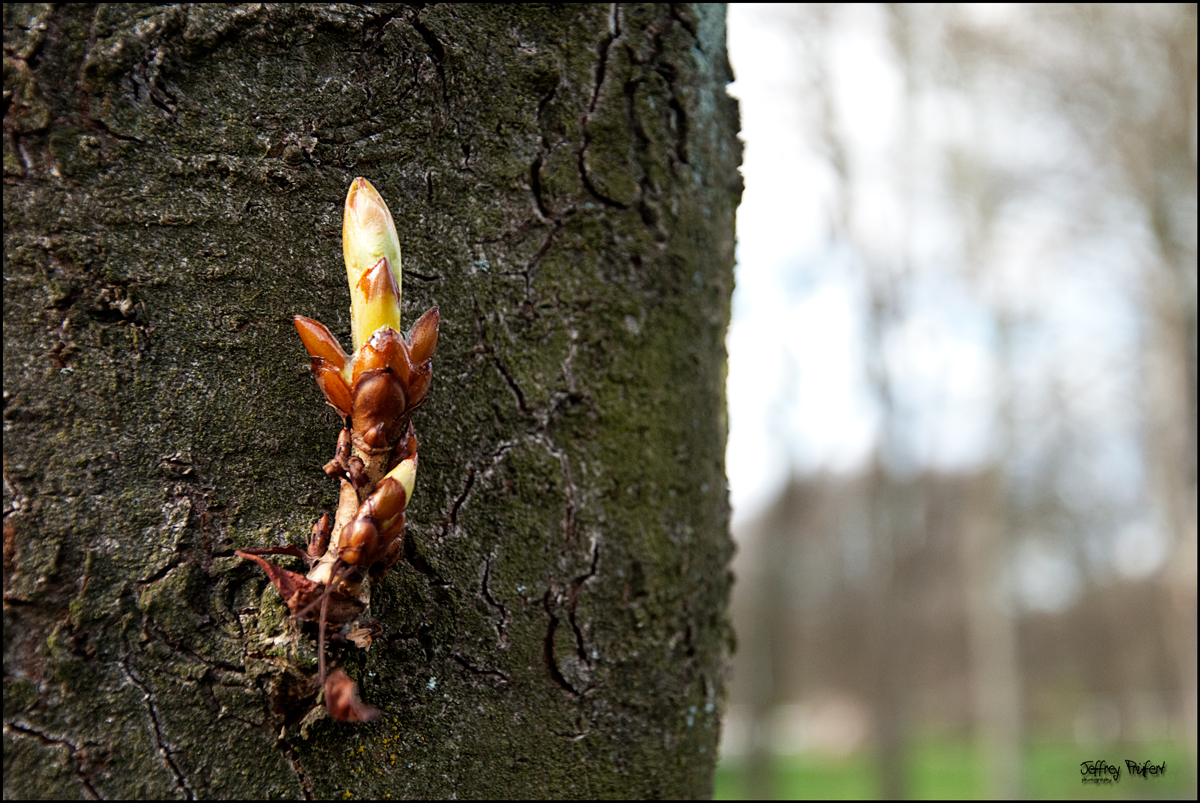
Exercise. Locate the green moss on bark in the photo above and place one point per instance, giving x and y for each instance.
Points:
(564, 181)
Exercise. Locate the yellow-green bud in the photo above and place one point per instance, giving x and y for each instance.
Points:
(369, 235)
(406, 475)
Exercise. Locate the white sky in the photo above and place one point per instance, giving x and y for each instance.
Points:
(799, 396)
(797, 392)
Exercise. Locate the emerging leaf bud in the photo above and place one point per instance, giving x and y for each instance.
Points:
(360, 539)
(375, 389)
(406, 475)
(422, 340)
(392, 495)
(372, 251)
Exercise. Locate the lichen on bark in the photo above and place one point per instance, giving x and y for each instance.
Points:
(565, 180)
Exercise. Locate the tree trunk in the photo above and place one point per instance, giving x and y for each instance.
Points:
(992, 635)
(564, 183)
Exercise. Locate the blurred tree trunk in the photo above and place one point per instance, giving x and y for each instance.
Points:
(1161, 168)
(1169, 367)
(762, 641)
(992, 636)
(1155, 154)
(564, 183)
(897, 533)
(989, 524)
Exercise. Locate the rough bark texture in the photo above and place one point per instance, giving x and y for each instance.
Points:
(564, 182)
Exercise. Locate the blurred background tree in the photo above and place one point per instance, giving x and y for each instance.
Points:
(963, 389)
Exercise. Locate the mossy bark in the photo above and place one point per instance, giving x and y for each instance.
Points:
(564, 182)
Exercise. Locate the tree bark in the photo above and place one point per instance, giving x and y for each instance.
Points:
(564, 183)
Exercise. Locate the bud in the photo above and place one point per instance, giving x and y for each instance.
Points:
(422, 340)
(391, 495)
(406, 475)
(375, 389)
(379, 521)
(359, 540)
(372, 251)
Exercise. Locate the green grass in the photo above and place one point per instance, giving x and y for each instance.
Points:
(948, 769)
(803, 778)
(1054, 771)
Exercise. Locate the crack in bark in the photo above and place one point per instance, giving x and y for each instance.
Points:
(501, 368)
(460, 500)
(153, 631)
(377, 23)
(549, 96)
(156, 732)
(218, 710)
(681, 125)
(614, 31)
(503, 678)
(85, 99)
(580, 646)
(535, 170)
(452, 517)
(535, 186)
(408, 274)
(647, 199)
(574, 602)
(416, 560)
(687, 25)
(587, 181)
(161, 574)
(437, 51)
(551, 662)
(77, 753)
(537, 258)
(527, 271)
(601, 68)
(501, 633)
(539, 435)
(670, 74)
(518, 394)
(289, 752)
(573, 737)
(569, 515)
